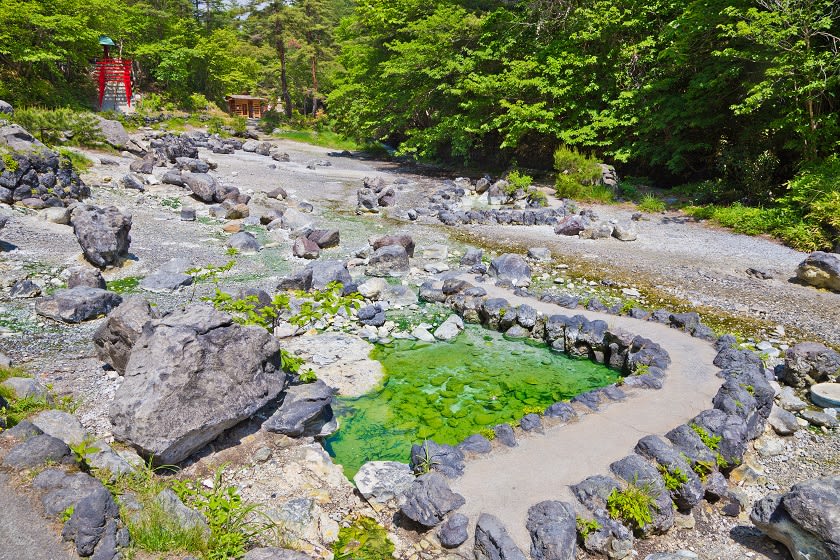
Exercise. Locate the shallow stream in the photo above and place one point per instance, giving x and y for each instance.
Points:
(448, 391)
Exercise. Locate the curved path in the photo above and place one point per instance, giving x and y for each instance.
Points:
(509, 481)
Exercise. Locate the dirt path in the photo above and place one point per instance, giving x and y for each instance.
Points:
(24, 533)
(507, 482)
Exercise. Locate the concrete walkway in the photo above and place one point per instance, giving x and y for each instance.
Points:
(509, 481)
(24, 534)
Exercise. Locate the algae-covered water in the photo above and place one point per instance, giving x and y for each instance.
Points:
(448, 391)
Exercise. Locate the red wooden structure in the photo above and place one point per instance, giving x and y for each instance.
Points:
(113, 71)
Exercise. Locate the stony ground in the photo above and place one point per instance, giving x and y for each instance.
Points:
(676, 262)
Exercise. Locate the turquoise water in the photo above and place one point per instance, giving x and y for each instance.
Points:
(448, 391)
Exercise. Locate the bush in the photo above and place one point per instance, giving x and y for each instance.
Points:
(60, 126)
(574, 171)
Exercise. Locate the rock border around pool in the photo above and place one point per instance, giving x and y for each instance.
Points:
(694, 457)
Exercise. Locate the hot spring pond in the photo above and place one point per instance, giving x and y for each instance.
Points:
(448, 391)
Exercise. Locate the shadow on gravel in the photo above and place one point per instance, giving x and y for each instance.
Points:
(752, 538)
(679, 220)
(5, 247)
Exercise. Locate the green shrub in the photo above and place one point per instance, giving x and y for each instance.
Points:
(574, 171)
(651, 204)
(634, 505)
(62, 125)
(364, 539)
(488, 433)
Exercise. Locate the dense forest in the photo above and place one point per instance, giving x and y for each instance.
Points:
(738, 99)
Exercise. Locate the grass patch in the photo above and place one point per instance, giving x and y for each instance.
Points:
(325, 139)
(124, 285)
(78, 161)
(18, 409)
(651, 204)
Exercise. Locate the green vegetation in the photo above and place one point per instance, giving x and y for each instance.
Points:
(79, 162)
(747, 129)
(18, 409)
(82, 451)
(710, 441)
(125, 285)
(426, 462)
(232, 523)
(674, 478)
(651, 204)
(10, 164)
(634, 505)
(363, 539)
(586, 527)
(60, 126)
(488, 433)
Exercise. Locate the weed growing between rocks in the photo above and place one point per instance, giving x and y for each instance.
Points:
(14, 409)
(232, 523)
(634, 505)
(674, 478)
(363, 539)
(585, 527)
(712, 442)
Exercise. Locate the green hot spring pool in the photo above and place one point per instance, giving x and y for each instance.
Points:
(448, 391)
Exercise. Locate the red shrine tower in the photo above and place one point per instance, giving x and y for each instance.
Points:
(113, 77)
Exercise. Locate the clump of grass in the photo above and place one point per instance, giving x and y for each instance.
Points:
(18, 409)
(76, 160)
(651, 204)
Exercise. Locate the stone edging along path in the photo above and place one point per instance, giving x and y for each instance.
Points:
(510, 481)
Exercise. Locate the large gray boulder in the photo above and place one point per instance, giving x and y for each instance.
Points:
(382, 481)
(6, 108)
(690, 492)
(821, 270)
(492, 541)
(316, 276)
(806, 519)
(191, 375)
(553, 530)
(511, 267)
(113, 132)
(103, 233)
(115, 338)
(305, 411)
(808, 363)
(429, 499)
(18, 139)
(388, 260)
(202, 185)
(77, 304)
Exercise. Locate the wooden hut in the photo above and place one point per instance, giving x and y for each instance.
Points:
(246, 106)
